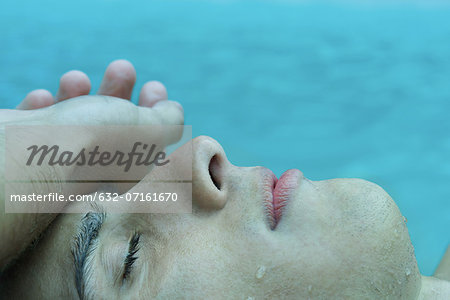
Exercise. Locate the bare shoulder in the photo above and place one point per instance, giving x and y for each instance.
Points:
(434, 289)
(443, 270)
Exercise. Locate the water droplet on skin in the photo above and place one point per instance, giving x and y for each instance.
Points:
(250, 298)
(309, 288)
(408, 272)
(260, 272)
(405, 219)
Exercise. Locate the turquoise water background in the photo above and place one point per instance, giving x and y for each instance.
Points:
(335, 90)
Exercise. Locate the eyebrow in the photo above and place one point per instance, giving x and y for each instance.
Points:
(83, 249)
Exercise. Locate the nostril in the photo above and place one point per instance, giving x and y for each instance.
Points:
(214, 171)
(210, 170)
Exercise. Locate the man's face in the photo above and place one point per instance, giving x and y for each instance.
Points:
(341, 238)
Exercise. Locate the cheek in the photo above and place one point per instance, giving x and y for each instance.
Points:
(195, 269)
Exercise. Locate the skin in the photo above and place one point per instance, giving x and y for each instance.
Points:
(40, 107)
(443, 270)
(341, 239)
(337, 239)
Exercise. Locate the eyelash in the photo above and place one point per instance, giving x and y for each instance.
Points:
(131, 256)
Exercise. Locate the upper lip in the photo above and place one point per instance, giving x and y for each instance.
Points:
(278, 192)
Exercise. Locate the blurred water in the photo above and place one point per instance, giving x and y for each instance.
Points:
(336, 90)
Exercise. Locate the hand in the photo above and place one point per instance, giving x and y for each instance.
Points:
(42, 108)
(118, 81)
(72, 106)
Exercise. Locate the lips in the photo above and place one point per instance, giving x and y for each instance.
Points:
(278, 192)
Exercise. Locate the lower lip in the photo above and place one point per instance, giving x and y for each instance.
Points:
(281, 191)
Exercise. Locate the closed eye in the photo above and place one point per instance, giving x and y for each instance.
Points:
(131, 257)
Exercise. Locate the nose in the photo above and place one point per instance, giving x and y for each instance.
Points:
(209, 187)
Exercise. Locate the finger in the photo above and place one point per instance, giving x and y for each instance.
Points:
(73, 84)
(170, 112)
(118, 80)
(151, 93)
(36, 99)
